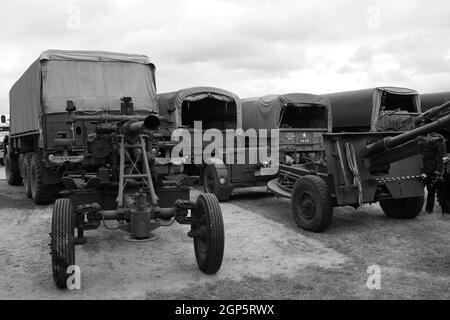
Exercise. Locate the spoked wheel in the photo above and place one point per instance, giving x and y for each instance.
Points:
(26, 174)
(408, 208)
(211, 184)
(62, 241)
(209, 235)
(311, 204)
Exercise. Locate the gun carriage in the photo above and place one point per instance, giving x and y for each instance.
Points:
(364, 167)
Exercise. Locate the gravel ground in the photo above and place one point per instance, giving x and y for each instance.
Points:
(266, 256)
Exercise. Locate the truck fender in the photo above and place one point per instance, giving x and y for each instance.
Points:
(221, 169)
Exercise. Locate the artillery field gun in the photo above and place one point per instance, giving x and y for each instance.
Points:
(383, 166)
(87, 123)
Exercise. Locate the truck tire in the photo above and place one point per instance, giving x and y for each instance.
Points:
(209, 241)
(211, 184)
(26, 174)
(2, 162)
(12, 171)
(312, 206)
(62, 241)
(42, 194)
(408, 208)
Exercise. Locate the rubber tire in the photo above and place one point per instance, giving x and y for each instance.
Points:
(223, 194)
(26, 174)
(62, 241)
(2, 162)
(12, 175)
(42, 194)
(408, 208)
(320, 195)
(209, 250)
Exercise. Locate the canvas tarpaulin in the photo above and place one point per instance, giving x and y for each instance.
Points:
(265, 112)
(94, 80)
(431, 100)
(170, 104)
(360, 108)
(25, 101)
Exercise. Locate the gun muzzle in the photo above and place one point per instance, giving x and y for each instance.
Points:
(152, 122)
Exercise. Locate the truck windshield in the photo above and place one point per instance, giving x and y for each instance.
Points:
(304, 117)
(213, 113)
(404, 103)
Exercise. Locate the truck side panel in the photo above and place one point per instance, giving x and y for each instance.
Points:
(25, 101)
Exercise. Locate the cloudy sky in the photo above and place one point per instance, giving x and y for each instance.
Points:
(251, 47)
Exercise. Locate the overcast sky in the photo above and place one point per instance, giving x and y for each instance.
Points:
(249, 47)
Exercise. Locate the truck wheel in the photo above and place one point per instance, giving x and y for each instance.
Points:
(2, 162)
(209, 236)
(62, 241)
(41, 193)
(211, 184)
(311, 204)
(26, 174)
(408, 208)
(12, 171)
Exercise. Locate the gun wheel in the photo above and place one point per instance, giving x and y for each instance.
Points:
(209, 235)
(62, 241)
(408, 208)
(312, 207)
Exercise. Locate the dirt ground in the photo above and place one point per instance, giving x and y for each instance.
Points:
(266, 256)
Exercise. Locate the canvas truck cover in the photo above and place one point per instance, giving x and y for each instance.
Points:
(170, 104)
(94, 80)
(265, 112)
(360, 108)
(431, 100)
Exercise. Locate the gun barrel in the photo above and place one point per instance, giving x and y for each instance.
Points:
(134, 124)
(392, 142)
(151, 122)
(433, 113)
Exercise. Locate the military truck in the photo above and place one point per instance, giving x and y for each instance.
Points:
(431, 100)
(374, 110)
(4, 136)
(301, 120)
(217, 109)
(39, 151)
